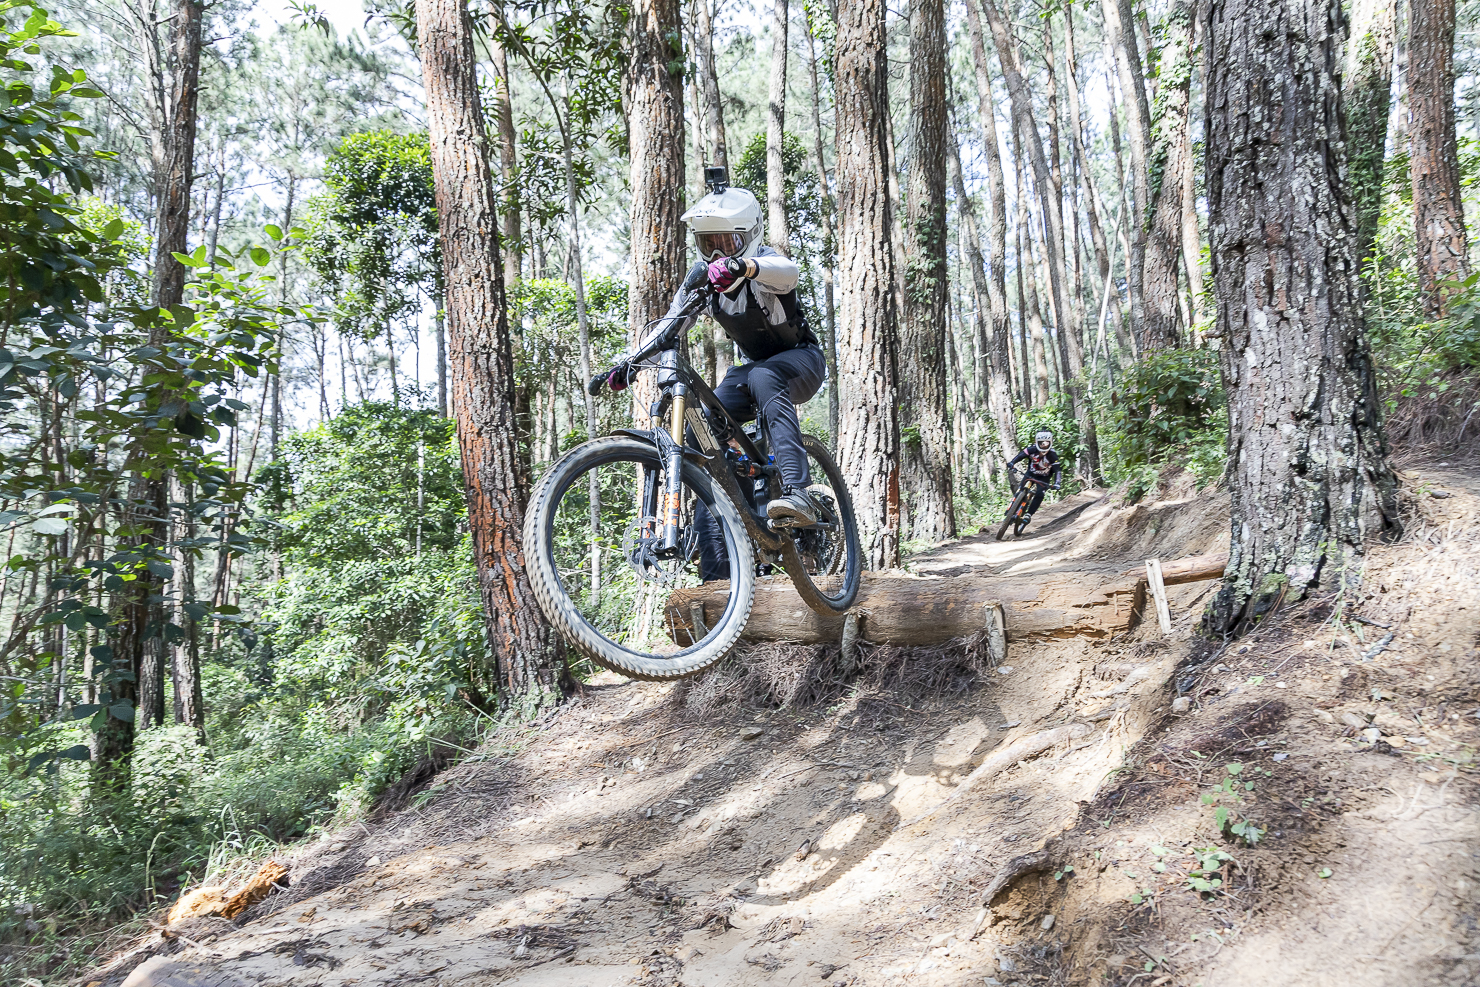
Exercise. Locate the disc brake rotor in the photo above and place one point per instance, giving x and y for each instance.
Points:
(642, 549)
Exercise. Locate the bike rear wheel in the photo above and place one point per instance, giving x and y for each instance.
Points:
(825, 561)
(603, 578)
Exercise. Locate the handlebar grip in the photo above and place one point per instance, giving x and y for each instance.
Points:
(594, 387)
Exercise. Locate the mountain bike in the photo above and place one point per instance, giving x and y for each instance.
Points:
(1016, 518)
(615, 530)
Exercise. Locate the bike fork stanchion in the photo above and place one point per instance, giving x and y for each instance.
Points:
(673, 487)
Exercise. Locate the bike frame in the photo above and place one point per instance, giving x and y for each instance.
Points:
(682, 395)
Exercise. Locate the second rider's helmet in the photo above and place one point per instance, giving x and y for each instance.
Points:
(1044, 441)
(726, 222)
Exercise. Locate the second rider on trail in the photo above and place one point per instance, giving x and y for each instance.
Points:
(755, 303)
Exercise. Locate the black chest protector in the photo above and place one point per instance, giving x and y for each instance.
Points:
(757, 338)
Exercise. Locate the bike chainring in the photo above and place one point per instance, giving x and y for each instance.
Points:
(642, 548)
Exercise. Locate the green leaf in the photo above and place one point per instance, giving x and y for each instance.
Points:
(122, 711)
(273, 231)
(1235, 768)
(1324, 872)
(260, 256)
(50, 526)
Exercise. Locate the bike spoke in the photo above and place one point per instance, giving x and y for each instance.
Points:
(617, 571)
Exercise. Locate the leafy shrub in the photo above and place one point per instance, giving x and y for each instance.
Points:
(1169, 407)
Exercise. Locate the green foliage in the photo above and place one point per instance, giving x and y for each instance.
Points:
(373, 234)
(1056, 418)
(802, 192)
(1168, 408)
(1205, 876)
(1228, 798)
(374, 482)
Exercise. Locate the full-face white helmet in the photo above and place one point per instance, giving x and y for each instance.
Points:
(1044, 441)
(726, 222)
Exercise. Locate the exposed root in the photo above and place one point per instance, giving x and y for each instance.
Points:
(1027, 863)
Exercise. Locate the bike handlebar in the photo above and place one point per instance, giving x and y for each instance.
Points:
(659, 341)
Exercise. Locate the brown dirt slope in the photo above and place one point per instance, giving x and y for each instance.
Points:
(664, 835)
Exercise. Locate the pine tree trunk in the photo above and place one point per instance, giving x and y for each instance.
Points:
(924, 389)
(1120, 33)
(995, 356)
(654, 103)
(1171, 154)
(174, 156)
(508, 164)
(525, 659)
(189, 697)
(829, 244)
(991, 334)
(868, 350)
(714, 117)
(777, 229)
(1092, 196)
(1308, 462)
(1438, 210)
(141, 642)
(1053, 234)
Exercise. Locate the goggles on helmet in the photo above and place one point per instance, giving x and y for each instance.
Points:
(715, 245)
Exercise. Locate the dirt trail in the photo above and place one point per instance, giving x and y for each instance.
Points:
(628, 839)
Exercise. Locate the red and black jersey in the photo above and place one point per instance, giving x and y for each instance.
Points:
(1042, 463)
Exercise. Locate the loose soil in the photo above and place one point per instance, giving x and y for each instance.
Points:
(685, 834)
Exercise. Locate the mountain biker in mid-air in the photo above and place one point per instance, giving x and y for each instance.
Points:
(755, 303)
(1043, 468)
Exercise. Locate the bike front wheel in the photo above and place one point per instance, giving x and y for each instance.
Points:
(604, 578)
(825, 560)
(1013, 522)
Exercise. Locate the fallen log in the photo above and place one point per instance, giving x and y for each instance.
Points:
(901, 609)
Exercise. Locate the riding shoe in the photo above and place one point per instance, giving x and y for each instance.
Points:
(793, 510)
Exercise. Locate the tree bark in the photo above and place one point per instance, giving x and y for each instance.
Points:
(991, 334)
(508, 166)
(1171, 154)
(1081, 153)
(777, 226)
(829, 244)
(1367, 90)
(524, 657)
(174, 151)
(1308, 462)
(868, 349)
(1438, 209)
(924, 390)
(654, 98)
(1120, 31)
(714, 116)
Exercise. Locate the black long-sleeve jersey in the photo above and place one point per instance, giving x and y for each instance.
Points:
(1041, 463)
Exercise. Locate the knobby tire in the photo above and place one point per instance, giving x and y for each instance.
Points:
(562, 612)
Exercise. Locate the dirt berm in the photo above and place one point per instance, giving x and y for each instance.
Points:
(1295, 808)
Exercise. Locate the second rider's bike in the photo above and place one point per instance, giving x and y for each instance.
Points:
(1017, 513)
(615, 530)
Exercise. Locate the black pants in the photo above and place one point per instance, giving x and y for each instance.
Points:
(1039, 488)
(775, 386)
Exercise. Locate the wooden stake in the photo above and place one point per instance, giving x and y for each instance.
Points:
(1159, 594)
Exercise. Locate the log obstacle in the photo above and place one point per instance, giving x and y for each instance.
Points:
(900, 609)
